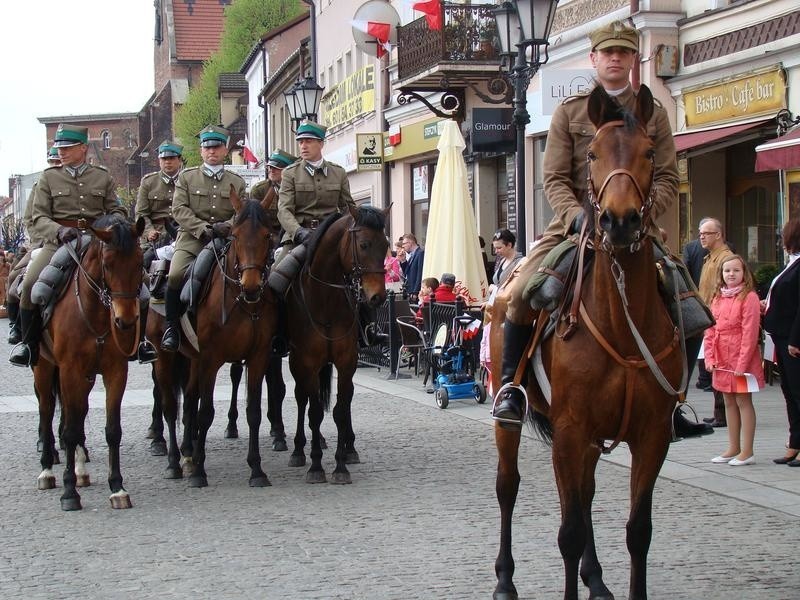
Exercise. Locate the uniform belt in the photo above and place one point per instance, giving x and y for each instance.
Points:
(310, 223)
(78, 223)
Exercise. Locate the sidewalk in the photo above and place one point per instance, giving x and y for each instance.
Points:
(763, 484)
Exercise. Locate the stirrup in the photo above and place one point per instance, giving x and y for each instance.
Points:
(146, 349)
(499, 394)
(19, 363)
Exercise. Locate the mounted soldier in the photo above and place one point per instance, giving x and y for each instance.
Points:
(269, 190)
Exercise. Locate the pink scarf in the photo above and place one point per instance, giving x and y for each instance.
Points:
(728, 292)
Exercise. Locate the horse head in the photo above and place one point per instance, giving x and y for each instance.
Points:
(362, 250)
(251, 246)
(120, 258)
(621, 159)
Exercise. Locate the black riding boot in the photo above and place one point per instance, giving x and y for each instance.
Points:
(146, 352)
(369, 334)
(172, 334)
(280, 342)
(14, 327)
(510, 408)
(26, 353)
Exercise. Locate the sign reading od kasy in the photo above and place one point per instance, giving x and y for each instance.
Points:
(744, 96)
(353, 97)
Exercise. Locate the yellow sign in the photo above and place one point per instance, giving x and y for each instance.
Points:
(417, 138)
(370, 151)
(748, 96)
(353, 97)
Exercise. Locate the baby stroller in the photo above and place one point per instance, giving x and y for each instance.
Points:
(454, 366)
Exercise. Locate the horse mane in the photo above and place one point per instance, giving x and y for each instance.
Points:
(122, 233)
(252, 211)
(366, 216)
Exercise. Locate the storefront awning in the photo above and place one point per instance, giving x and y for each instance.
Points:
(780, 154)
(693, 139)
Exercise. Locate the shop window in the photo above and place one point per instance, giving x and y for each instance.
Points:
(421, 185)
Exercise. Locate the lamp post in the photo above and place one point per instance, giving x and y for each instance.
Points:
(302, 100)
(523, 27)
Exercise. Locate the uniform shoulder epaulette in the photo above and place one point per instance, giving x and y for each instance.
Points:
(100, 167)
(188, 169)
(150, 175)
(234, 174)
(574, 97)
(293, 166)
(53, 167)
(335, 165)
(657, 102)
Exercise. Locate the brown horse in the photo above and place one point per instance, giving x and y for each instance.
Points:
(344, 268)
(94, 329)
(611, 377)
(235, 321)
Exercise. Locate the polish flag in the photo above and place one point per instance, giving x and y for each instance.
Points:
(744, 383)
(432, 9)
(380, 31)
(249, 157)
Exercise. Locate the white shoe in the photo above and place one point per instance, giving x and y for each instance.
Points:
(722, 459)
(735, 462)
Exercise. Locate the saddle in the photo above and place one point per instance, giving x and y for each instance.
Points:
(53, 280)
(196, 279)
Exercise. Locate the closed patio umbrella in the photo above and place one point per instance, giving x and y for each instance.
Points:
(451, 242)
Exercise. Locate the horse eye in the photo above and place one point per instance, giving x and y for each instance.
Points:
(591, 155)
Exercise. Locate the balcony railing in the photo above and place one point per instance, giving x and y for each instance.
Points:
(469, 34)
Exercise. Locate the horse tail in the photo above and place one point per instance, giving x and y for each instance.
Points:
(541, 426)
(325, 377)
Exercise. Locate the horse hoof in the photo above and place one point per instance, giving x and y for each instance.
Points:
(505, 596)
(158, 448)
(352, 458)
(46, 482)
(260, 481)
(279, 446)
(198, 481)
(82, 481)
(231, 433)
(604, 596)
(316, 477)
(71, 503)
(341, 478)
(173, 473)
(297, 460)
(151, 433)
(120, 499)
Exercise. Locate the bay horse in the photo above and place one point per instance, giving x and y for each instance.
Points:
(235, 321)
(93, 330)
(610, 377)
(344, 267)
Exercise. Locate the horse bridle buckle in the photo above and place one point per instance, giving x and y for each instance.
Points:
(83, 225)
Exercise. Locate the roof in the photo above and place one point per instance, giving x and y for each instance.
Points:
(232, 82)
(198, 27)
(80, 118)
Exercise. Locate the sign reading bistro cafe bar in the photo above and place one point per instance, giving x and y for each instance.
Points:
(753, 95)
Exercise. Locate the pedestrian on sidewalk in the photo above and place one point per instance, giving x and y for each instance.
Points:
(731, 351)
(782, 322)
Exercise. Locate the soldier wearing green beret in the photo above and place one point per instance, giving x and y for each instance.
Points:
(268, 190)
(202, 207)
(614, 51)
(154, 200)
(12, 297)
(68, 199)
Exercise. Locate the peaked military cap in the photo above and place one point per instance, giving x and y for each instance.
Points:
(52, 154)
(280, 159)
(310, 130)
(70, 135)
(168, 148)
(214, 136)
(617, 34)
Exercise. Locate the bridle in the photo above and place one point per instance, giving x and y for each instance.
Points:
(239, 271)
(595, 197)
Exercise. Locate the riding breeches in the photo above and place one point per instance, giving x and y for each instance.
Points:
(519, 310)
(37, 264)
(18, 269)
(186, 250)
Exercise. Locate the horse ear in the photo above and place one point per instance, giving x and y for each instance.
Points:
(139, 226)
(387, 210)
(236, 202)
(644, 105)
(601, 107)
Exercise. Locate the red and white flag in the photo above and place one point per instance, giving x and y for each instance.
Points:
(380, 31)
(744, 383)
(432, 9)
(248, 155)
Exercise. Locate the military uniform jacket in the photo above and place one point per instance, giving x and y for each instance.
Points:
(154, 200)
(59, 195)
(27, 219)
(305, 197)
(568, 139)
(267, 192)
(200, 201)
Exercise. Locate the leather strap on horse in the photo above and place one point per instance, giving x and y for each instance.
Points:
(576, 276)
(630, 365)
(77, 223)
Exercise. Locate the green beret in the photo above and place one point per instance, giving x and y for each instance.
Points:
(280, 159)
(311, 130)
(70, 135)
(615, 34)
(168, 148)
(214, 136)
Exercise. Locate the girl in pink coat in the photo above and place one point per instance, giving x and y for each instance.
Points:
(731, 350)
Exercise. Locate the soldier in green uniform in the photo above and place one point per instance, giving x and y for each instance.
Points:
(270, 187)
(202, 207)
(12, 302)
(154, 204)
(67, 200)
(614, 50)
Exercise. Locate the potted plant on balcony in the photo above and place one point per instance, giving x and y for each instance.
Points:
(488, 40)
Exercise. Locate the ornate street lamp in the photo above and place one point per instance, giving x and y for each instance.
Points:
(302, 101)
(523, 25)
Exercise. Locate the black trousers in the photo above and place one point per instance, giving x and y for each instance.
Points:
(790, 385)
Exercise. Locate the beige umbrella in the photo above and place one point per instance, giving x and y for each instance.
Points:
(451, 242)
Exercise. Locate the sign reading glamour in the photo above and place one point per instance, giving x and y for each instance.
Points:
(493, 130)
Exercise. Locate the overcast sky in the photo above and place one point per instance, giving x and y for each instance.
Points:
(68, 58)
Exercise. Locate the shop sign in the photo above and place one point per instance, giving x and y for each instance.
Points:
(352, 98)
(560, 84)
(737, 98)
(493, 130)
(370, 151)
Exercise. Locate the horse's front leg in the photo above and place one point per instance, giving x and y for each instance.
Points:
(345, 446)
(646, 461)
(158, 447)
(115, 387)
(44, 376)
(590, 570)
(207, 373)
(191, 397)
(166, 381)
(298, 457)
(276, 392)
(255, 375)
(232, 429)
(74, 391)
(506, 488)
(315, 474)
